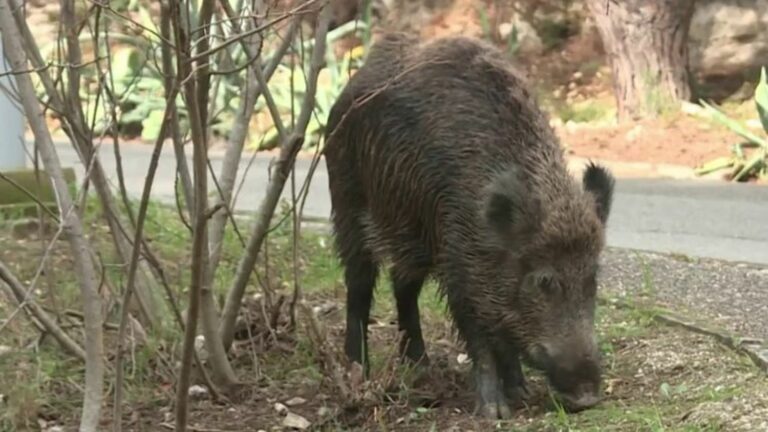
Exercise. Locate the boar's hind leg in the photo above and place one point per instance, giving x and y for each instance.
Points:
(407, 287)
(360, 267)
(360, 273)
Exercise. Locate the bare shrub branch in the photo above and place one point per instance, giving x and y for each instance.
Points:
(21, 295)
(71, 226)
(236, 141)
(288, 150)
(133, 265)
(76, 129)
(197, 98)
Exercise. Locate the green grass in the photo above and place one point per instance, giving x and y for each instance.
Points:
(44, 381)
(584, 112)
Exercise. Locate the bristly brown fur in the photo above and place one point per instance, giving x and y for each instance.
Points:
(440, 162)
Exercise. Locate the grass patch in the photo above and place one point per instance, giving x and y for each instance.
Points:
(657, 378)
(584, 112)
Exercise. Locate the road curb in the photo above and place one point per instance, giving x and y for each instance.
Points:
(755, 349)
(620, 169)
(636, 169)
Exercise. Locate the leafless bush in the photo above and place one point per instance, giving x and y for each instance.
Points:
(174, 72)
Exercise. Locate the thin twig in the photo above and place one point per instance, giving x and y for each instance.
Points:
(199, 236)
(26, 303)
(168, 83)
(76, 129)
(244, 35)
(31, 196)
(72, 226)
(288, 151)
(233, 155)
(133, 264)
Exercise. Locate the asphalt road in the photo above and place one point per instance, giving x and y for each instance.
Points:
(703, 219)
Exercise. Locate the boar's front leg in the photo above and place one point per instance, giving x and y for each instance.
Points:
(511, 372)
(491, 401)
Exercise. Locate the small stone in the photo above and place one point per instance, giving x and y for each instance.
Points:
(556, 122)
(200, 348)
(505, 29)
(296, 421)
(5, 349)
(634, 133)
(295, 401)
(325, 308)
(462, 358)
(691, 108)
(758, 273)
(280, 408)
(323, 411)
(571, 126)
(198, 391)
(578, 75)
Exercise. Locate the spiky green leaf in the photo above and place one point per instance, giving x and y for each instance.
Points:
(150, 127)
(733, 125)
(761, 99)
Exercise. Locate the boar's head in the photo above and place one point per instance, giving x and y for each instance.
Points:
(549, 237)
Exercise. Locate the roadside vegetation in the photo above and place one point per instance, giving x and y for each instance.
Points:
(119, 313)
(657, 377)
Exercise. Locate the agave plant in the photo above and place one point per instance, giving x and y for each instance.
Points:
(748, 158)
(289, 94)
(136, 82)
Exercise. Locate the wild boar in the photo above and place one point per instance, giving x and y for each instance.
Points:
(441, 164)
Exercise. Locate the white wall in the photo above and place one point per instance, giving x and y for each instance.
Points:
(12, 155)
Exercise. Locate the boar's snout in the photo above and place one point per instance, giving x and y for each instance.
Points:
(585, 400)
(575, 374)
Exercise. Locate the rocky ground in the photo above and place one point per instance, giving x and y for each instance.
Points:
(658, 376)
(734, 296)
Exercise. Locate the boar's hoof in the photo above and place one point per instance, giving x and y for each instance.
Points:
(494, 410)
(491, 403)
(581, 403)
(517, 394)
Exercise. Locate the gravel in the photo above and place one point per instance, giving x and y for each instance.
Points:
(733, 295)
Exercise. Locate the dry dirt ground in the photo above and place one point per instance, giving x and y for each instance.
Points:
(573, 82)
(657, 377)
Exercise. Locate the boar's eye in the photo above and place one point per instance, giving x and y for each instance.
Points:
(546, 284)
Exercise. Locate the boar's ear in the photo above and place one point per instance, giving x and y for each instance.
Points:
(599, 182)
(505, 209)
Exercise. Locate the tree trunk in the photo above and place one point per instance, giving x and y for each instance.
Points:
(646, 44)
